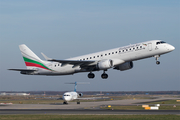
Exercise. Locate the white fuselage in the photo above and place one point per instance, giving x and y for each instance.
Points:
(69, 96)
(117, 55)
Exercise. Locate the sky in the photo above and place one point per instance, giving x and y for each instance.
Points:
(63, 29)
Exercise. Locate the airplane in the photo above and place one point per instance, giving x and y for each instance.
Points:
(120, 58)
(70, 96)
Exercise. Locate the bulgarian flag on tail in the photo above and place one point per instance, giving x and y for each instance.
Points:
(33, 63)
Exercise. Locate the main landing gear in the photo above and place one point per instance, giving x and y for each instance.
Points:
(65, 103)
(91, 75)
(157, 57)
(103, 76)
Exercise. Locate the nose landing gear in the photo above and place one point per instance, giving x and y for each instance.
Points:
(157, 62)
(65, 103)
(157, 57)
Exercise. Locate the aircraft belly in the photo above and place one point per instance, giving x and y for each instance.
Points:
(126, 56)
(66, 70)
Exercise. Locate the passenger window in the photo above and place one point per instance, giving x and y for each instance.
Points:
(109, 53)
(98, 56)
(126, 49)
(116, 51)
(55, 65)
(94, 56)
(87, 58)
(90, 57)
(112, 52)
(84, 59)
(101, 55)
(105, 54)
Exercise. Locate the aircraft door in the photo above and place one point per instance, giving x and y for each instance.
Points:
(150, 46)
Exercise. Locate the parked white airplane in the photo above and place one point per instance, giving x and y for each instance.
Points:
(70, 96)
(119, 58)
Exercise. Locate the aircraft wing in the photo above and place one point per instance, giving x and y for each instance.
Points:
(92, 98)
(23, 70)
(75, 63)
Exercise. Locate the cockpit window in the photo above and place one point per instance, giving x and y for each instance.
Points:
(66, 95)
(161, 42)
(157, 43)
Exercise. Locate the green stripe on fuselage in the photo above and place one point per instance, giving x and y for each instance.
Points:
(33, 61)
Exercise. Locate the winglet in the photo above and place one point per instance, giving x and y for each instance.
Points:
(46, 57)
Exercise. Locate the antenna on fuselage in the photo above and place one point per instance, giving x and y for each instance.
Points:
(75, 86)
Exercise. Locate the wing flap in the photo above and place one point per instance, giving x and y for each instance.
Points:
(75, 63)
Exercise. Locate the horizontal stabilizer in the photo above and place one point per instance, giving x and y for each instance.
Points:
(24, 70)
(77, 83)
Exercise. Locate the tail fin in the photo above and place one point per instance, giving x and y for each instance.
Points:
(75, 84)
(31, 59)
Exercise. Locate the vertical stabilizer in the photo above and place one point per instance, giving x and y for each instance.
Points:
(31, 60)
(27, 53)
(75, 86)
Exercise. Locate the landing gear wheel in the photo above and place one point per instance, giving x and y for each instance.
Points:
(104, 76)
(157, 62)
(91, 75)
(65, 103)
(157, 57)
(78, 102)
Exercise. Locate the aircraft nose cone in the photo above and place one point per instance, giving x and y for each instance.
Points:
(171, 47)
(67, 98)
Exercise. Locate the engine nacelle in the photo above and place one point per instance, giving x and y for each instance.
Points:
(125, 66)
(80, 94)
(104, 64)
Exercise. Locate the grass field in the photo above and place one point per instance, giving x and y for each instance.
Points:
(163, 107)
(32, 101)
(124, 108)
(165, 102)
(89, 117)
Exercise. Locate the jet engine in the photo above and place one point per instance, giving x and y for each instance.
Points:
(125, 66)
(80, 94)
(104, 64)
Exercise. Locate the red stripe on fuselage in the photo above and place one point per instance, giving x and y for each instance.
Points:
(34, 65)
